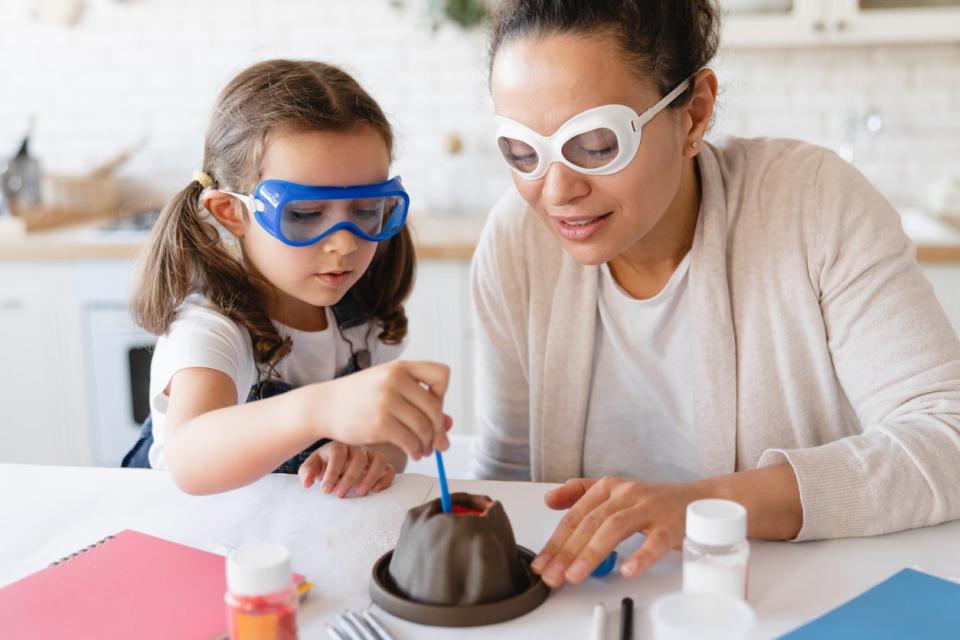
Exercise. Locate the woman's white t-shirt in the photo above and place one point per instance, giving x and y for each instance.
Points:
(640, 414)
(201, 336)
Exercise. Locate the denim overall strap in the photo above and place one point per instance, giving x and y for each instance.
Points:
(137, 456)
(347, 315)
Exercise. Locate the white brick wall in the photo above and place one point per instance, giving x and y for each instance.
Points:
(810, 93)
(134, 68)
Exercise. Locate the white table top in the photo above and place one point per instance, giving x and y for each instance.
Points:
(49, 512)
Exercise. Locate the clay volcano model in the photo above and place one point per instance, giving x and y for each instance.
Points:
(457, 569)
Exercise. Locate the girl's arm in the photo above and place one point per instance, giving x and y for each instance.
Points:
(214, 445)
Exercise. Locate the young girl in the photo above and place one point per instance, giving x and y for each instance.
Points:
(295, 170)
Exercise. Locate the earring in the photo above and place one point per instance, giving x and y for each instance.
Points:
(694, 144)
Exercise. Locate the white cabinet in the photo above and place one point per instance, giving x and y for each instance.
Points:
(945, 278)
(31, 376)
(776, 23)
(52, 351)
(441, 330)
(760, 23)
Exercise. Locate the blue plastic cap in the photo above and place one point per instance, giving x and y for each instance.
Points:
(606, 566)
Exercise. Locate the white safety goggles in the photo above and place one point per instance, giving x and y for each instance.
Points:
(596, 142)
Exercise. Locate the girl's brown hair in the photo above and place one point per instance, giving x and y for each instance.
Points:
(186, 254)
(666, 41)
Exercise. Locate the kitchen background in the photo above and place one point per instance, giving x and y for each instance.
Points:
(876, 80)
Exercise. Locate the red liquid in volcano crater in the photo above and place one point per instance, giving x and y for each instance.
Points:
(457, 509)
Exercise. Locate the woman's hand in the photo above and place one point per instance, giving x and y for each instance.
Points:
(605, 512)
(400, 403)
(602, 514)
(342, 467)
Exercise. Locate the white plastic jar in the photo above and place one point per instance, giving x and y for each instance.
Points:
(716, 554)
(261, 596)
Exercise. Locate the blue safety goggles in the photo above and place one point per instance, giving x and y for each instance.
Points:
(300, 215)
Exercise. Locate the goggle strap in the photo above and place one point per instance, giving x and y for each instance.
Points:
(647, 115)
(251, 203)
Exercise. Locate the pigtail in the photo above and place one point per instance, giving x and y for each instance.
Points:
(386, 284)
(185, 254)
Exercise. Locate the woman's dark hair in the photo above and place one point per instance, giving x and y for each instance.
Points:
(186, 253)
(665, 41)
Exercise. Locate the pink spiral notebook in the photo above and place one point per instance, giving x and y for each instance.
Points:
(131, 585)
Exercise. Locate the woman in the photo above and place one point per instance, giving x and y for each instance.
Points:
(676, 319)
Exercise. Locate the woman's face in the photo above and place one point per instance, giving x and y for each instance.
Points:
(320, 274)
(543, 81)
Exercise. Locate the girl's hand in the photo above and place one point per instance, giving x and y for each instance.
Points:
(602, 514)
(342, 467)
(400, 403)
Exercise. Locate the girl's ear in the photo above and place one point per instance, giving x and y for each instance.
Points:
(699, 110)
(229, 211)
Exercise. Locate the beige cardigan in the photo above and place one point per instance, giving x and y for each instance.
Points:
(816, 337)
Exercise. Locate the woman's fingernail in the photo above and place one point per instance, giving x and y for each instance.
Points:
(539, 563)
(577, 571)
(554, 575)
(630, 568)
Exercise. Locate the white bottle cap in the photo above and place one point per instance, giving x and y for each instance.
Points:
(258, 569)
(716, 522)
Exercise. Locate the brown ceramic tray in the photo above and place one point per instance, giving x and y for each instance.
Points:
(385, 594)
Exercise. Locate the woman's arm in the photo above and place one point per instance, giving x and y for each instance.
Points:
(897, 358)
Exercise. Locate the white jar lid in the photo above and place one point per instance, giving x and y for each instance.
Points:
(716, 522)
(258, 569)
(695, 616)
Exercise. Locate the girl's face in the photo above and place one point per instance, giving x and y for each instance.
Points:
(541, 82)
(320, 274)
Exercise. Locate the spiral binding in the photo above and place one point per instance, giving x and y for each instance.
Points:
(85, 549)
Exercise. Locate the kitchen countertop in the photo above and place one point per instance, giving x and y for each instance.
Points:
(437, 238)
(451, 237)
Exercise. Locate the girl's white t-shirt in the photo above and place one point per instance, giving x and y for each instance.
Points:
(640, 415)
(201, 336)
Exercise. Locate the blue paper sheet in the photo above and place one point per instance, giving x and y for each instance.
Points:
(909, 604)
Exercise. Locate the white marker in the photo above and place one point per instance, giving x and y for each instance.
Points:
(599, 622)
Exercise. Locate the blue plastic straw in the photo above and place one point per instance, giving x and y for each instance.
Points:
(444, 491)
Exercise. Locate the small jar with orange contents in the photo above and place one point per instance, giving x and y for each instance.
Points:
(261, 594)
